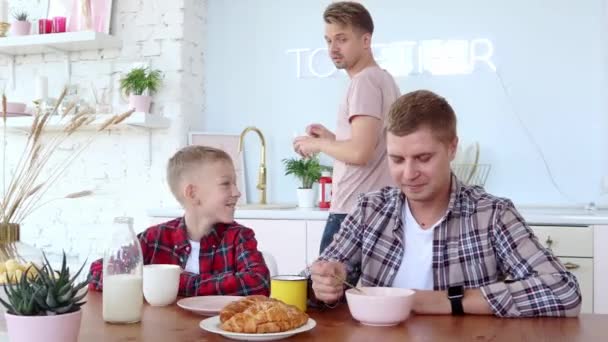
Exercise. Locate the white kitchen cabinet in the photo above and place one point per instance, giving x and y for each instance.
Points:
(600, 269)
(314, 233)
(566, 241)
(284, 239)
(582, 268)
(152, 221)
(574, 248)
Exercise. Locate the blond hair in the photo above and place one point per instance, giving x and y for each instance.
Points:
(186, 159)
(349, 13)
(422, 108)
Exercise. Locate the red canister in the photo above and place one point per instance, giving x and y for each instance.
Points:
(325, 190)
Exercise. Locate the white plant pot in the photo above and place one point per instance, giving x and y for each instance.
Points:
(141, 103)
(21, 28)
(306, 198)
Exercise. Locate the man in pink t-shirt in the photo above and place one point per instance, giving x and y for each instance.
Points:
(358, 146)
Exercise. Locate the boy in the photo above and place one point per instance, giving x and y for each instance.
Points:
(218, 256)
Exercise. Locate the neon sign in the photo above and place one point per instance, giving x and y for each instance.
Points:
(405, 58)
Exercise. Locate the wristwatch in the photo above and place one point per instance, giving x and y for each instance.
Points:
(455, 295)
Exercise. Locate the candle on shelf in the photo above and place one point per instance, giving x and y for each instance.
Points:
(42, 84)
(3, 11)
(59, 24)
(45, 26)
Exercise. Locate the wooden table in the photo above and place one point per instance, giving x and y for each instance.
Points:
(174, 324)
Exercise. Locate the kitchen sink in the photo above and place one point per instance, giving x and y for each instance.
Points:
(269, 206)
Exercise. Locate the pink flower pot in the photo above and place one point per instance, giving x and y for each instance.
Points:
(141, 103)
(21, 28)
(60, 328)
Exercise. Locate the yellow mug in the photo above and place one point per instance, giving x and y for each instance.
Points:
(291, 289)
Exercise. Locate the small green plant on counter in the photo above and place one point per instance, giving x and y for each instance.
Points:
(45, 292)
(307, 170)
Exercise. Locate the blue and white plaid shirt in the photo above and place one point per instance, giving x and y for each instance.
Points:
(481, 242)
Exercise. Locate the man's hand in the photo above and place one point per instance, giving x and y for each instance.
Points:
(307, 146)
(431, 302)
(327, 278)
(319, 131)
(437, 303)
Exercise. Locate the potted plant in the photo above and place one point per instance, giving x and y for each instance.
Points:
(44, 304)
(21, 26)
(139, 84)
(308, 171)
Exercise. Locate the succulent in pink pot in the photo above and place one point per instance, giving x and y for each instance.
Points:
(21, 26)
(48, 300)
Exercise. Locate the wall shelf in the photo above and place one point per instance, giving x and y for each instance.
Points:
(58, 42)
(137, 119)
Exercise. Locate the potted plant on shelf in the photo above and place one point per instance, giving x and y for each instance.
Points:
(308, 171)
(21, 26)
(44, 304)
(140, 84)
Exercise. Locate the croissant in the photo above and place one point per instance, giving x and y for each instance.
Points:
(259, 314)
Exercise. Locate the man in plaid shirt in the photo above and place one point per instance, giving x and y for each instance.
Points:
(462, 249)
(218, 256)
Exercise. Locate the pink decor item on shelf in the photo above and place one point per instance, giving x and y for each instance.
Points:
(59, 24)
(101, 13)
(45, 26)
(90, 15)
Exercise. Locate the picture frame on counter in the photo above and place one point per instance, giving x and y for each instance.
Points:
(230, 144)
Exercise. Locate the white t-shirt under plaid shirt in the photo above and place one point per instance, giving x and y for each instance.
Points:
(483, 243)
(416, 269)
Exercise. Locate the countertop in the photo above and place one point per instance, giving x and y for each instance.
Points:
(548, 215)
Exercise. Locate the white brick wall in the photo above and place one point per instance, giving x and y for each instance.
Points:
(167, 35)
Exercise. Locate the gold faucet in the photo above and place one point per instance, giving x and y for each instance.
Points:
(262, 171)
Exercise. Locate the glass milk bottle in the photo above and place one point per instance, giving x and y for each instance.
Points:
(122, 274)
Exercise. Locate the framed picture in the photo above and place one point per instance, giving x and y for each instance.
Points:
(82, 15)
(230, 144)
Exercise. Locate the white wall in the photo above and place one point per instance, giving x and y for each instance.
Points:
(165, 34)
(550, 55)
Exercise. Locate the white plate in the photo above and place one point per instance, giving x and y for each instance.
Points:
(212, 324)
(206, 305)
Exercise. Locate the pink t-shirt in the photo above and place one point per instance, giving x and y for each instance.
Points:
(371, 93)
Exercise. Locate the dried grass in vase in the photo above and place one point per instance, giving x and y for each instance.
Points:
(33, 175)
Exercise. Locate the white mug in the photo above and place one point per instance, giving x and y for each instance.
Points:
(161, 283)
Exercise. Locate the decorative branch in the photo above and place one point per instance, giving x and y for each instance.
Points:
(33, 176)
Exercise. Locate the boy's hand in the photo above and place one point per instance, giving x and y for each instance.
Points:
(327, 278)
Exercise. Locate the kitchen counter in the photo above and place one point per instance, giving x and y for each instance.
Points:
(533, 214)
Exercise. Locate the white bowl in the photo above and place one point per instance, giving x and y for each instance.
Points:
(380, 306)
